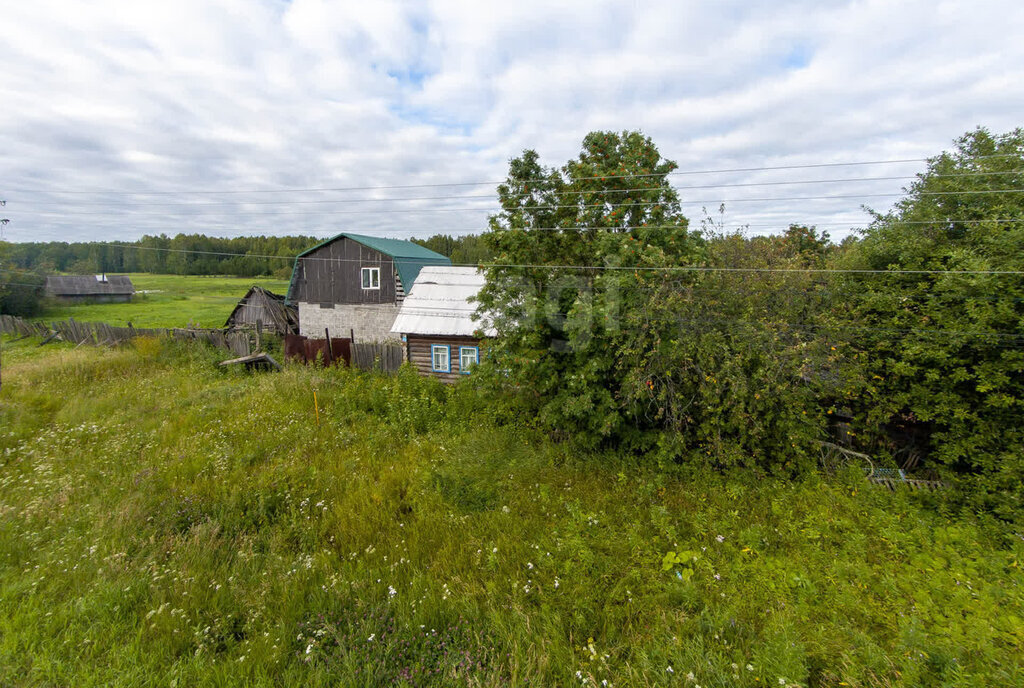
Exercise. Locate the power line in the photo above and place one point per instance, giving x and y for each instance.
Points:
(741, 229)
(777, 325)
(635, 268)
(624, 206)
(492, 196)
(502, 181)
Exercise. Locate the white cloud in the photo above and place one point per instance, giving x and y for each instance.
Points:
(197, 96)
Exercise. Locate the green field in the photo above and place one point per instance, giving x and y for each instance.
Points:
(171, 301)
(167, 523)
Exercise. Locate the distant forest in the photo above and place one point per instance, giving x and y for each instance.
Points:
(197, 254)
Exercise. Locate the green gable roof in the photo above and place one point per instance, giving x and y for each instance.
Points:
(408, 257)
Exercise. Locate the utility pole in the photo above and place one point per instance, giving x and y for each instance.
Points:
(3, 223)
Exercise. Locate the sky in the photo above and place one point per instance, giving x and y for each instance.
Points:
(242, 117)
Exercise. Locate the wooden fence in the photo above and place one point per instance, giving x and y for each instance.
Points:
(377, 356)
(100, 334)
(306, 350)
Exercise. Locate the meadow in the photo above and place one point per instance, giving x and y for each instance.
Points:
(167, 523)
(170, 301)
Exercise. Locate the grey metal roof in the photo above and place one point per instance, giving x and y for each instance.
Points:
(440, 303)
(88, 285)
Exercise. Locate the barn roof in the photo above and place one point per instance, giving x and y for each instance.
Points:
(440, 303)
(407, 256)
(88, 285)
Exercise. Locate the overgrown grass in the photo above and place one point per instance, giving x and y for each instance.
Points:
(163, 522)
(171, 301)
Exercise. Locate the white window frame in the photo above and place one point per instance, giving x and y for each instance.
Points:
(369, 276)
(434, 350)
(463, 368)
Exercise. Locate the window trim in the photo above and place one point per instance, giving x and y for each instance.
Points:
(476, 354)
(370, 270)
(448, 353)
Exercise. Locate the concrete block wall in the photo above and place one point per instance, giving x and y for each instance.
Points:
(371, 322)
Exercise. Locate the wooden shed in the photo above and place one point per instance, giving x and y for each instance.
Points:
(436, 322)
(89, 288)
(267, 308)
(353, 285)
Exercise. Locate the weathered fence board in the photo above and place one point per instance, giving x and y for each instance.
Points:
(377, 356)
(98, 333)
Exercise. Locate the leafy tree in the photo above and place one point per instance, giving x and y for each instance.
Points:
(945, 348)
(556, 283)
(21, 291)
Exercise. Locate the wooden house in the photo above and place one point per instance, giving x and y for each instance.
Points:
(89, 288)
(266, 308)
(436, 322)
(353, 285)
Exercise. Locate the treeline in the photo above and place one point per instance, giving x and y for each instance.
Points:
(183, 254)
(196, 254)
(471, 249)
(23, 266)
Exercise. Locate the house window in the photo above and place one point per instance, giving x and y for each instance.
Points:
(371, 278)
(469, 356)
(440, 358)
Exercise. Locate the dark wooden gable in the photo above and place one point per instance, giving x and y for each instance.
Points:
(331, 274)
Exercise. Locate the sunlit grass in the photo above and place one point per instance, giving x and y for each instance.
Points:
(171, 301)
(164, 522)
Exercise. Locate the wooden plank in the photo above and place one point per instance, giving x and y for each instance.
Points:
(254, 360)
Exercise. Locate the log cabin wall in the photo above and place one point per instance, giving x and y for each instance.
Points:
(419, 353)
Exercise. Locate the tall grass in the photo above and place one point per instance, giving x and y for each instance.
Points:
(164, 522)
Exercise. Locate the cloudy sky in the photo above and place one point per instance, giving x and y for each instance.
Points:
(235, 117)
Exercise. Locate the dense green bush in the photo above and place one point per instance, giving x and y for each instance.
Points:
(945, 338)
(714, 366)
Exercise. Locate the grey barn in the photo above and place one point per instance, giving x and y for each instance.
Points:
(89, 288)
(262, 306)
(353, 285)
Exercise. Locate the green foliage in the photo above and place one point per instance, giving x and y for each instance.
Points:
(558, 328)
(470, 249)
(21, 291)
(683, 559)
(166, 522)
(735, 365)
(944, 350)
(717, 367)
